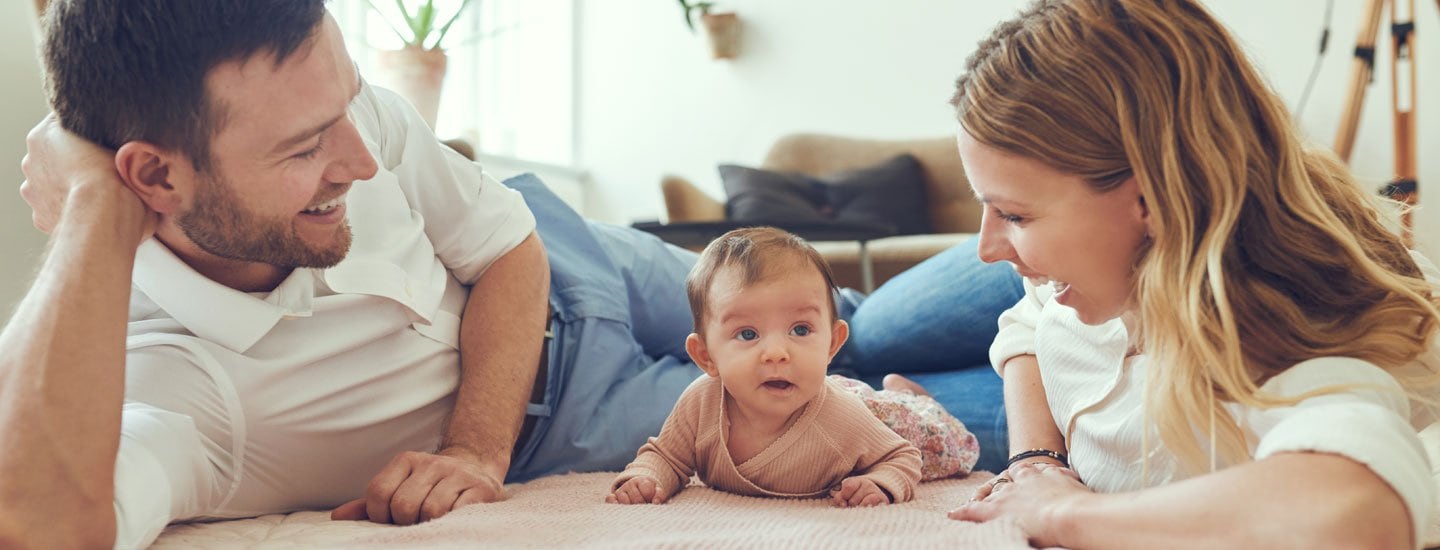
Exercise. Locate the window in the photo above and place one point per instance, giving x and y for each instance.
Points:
(509, 87)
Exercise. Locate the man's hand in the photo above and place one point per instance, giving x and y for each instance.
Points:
(637, 490)
(858, 491)
(57, 162)
(418, 487)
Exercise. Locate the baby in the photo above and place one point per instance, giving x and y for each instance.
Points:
(767, 421)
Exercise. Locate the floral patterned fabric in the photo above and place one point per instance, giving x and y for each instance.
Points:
(946, 447)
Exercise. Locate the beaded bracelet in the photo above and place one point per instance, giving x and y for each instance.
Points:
(1032, 453)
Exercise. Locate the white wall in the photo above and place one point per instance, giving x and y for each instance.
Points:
(22, 105)
(652, 102)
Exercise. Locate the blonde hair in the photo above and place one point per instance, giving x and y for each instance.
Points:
(758, 252)
(1264, 253)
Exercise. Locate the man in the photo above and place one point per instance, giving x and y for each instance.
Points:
(333, 311)
(296, 323)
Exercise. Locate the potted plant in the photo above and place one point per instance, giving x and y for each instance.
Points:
(723, 29)
(417, 70)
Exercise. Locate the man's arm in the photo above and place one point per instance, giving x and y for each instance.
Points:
(62, 359)
(501, 332)
(500, 338)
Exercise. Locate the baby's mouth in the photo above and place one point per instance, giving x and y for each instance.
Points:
(778, 384)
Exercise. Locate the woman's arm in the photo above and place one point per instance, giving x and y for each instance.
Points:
(1027, 417)
(1290, 500)
(1027, 411)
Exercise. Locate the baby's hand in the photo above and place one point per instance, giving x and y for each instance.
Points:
(858, 491)
(637, 490)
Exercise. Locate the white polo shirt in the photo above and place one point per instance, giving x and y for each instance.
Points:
(1095, 388)
(238, 404)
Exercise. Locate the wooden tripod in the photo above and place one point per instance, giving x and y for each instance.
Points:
(1403, 187)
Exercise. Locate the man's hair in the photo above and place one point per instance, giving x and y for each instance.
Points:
(757, 252)
(126, 70)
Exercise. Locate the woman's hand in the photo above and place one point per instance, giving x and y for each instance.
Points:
(1035, 495)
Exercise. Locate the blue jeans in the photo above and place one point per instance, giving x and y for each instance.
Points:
(934, 323)
(618, 361)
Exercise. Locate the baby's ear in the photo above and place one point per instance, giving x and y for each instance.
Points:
(839, 333)
(695, 346)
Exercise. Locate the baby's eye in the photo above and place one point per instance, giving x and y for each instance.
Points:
(747, 334)
(800, 330)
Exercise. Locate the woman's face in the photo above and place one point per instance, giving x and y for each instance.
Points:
(1055, 226)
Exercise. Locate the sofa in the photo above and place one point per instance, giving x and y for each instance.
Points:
(954, 213)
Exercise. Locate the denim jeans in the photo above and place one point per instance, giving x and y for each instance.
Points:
(934, 323)
(618, 361)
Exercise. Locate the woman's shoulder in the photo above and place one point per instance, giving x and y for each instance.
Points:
(1346, 376)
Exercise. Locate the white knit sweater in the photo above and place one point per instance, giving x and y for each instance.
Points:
(1096, 394)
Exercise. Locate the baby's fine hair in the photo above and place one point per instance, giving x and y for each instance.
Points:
(758, 252)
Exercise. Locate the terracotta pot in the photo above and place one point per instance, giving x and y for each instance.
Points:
(723, 29)
(416, 74)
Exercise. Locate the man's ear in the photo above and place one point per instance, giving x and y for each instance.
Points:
(150, 172)
(695, 346)
(839, 333)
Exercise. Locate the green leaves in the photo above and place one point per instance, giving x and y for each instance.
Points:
(419, 28)
(690, 8)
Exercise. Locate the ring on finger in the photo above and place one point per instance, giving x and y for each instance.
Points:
(998, 481)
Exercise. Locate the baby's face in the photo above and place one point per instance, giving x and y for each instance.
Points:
(771, 341)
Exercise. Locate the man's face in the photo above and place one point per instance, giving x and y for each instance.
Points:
(284, 156)
(221, 225)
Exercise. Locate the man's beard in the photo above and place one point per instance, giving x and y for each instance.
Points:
(219, 224)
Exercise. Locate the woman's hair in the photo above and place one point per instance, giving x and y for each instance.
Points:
(1264, 253)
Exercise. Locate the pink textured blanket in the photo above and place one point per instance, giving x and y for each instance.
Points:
(569, 511)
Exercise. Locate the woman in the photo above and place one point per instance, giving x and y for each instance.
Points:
(1234, 350)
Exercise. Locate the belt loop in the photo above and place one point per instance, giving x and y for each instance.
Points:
(549, 322)
(538, 392)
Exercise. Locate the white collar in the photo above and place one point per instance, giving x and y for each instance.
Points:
(213, 311)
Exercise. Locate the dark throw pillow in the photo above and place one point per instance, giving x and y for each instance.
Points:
(762, 196)
(891, 193)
